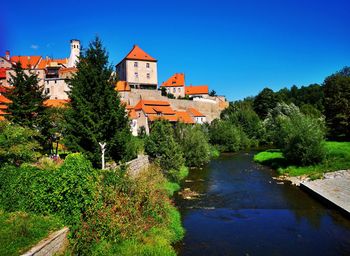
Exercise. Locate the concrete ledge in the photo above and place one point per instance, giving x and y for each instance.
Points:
(51, 245)
(333, 189)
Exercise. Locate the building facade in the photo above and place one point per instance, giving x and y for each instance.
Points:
(138, 69)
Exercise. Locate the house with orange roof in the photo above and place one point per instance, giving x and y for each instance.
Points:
(138, 69)
(197, 116)
(175, 85)
(200, 91)
(52, 73)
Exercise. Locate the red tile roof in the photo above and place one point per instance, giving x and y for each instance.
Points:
(3, 99)
(176, 80)
(193, 90)
(184, 117)
(194, 112)
(142, 103)
(132, 114)
(55, 103)
(26, 61)
(2, 73)
(122, 86)
(137, 53)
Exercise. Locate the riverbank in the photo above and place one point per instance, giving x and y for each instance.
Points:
(337, 158)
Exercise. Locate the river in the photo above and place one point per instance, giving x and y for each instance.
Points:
(242, 210)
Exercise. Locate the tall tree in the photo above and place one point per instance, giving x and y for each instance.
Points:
(337, 104)
(95, 113)
(264, 101)
(27, 98)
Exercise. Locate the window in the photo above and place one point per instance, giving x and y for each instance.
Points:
(136, 64)
(147, 65)
(148, 75)
(47, 90)
(179, 89)
(55, 81)
(136, 75)
(174, 90)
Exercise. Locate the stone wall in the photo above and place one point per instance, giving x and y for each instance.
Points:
(53, 244)
(134, 167)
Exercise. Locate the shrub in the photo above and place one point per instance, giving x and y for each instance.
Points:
(195, 146)
(303, 139)
(18, 144)
(227, 137)
(67, 191)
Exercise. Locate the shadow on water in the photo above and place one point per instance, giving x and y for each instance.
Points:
(242, 210)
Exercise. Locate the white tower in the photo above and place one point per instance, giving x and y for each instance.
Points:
(74, 53)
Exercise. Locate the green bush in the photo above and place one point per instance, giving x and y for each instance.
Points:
(227, 137)
(67, 191)
(195, 146)
(18, 144)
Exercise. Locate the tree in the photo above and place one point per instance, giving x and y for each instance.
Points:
(161, 145)
(95, 113)
(212, 93)
(27, 98)
(264, 101)
(337, 104)
(195, 146)
(18, 144)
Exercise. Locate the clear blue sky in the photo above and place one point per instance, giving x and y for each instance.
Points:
(236, 47)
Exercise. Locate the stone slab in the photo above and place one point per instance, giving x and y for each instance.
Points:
(334, 188)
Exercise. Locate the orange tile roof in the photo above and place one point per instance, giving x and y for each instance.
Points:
(137, 53)
(3, 73)
(193, 90)
(142, 103)
(3, 99)
(175, 80)
(132, 114)
(167, 110)
(172, 118)
(194, 112)
(55, 103)
(3, 107)
(122, 86)
(2, 118)
(68, 70)
(26, 61)
(184, 117)
(46, 62)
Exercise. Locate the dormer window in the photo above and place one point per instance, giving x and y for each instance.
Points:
(136, 64)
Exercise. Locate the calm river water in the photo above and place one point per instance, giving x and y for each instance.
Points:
(243, 211)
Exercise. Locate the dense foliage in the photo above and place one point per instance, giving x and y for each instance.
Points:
(264, 102)
(337, 104)
(27, 98)
(95, 113)
(18, 144)
(67, 191)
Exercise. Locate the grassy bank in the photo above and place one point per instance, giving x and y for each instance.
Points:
(337, 158)
(20, 231)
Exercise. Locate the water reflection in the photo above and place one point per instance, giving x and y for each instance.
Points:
(242, 210)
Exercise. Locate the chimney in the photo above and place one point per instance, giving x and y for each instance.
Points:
(7, 55)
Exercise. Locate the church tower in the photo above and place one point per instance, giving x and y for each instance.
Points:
(74, 53)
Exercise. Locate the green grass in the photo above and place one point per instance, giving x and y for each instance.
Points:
(20, 231)
(337, 158)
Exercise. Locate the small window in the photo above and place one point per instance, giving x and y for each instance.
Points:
(179, 89)
(136, 64)
(136, 74)
(174, 90)
(55, 81)
(47, 90)
(148, 75)
(147, 65)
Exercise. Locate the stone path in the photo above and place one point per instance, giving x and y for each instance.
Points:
(334, 187)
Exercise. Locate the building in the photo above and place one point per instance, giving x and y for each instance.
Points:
(198, 117)
(138, 69)
(175, 85)
(201, 91)
(52, 73)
